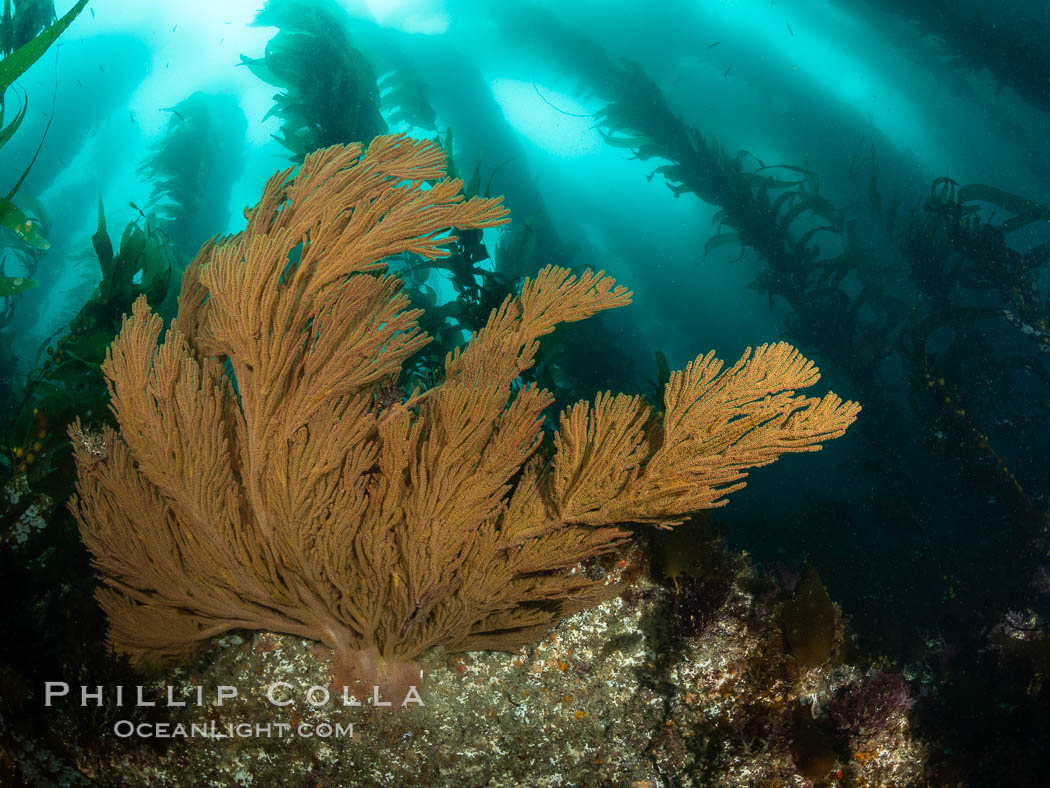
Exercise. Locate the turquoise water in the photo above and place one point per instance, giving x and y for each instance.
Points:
(867, 181)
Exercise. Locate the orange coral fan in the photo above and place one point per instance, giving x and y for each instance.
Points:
(255, 484)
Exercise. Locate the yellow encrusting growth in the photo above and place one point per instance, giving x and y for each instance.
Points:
(256, 482)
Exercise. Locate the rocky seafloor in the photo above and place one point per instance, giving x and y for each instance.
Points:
(735, 679)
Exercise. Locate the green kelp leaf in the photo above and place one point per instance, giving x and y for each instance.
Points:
(756, 181)
(677, 189)
(103, 245)
(19, 61)
(12, 217)
(12, 285)
(52, 398)
(90, 348)
(671, 172)
(472, 187)
(12, 127)
(785, 198)
(259, 69)
(789, 167)
(446, 145)
(634, 141)
(744, 155)
(294, 141)
(718, 241)
(762, 202)
(156, 266)
(943, 187)
(819, 207)
(800, 244)
(429, 295)
(72, 372)
(1005, 200)
(1023, 220)
(132, 244)
(517, 248)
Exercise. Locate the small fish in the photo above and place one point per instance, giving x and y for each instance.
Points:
(101, 69)
(789, 28)
(712, 46)
(80, 83)
(174, 112)
(92, 10)
(221, 40)
(726, 72)
(132, 116)
(173, 29)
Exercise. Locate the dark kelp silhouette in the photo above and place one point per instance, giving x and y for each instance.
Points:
(328, 90)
